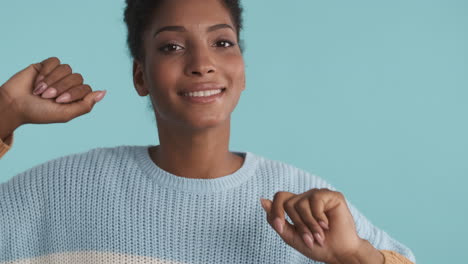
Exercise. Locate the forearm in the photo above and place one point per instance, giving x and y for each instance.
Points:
(367, 254)
(8, 120)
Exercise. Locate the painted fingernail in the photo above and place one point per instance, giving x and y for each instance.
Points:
(319, 238)
(40, 87)
(100, 96)
(278, 225)
(262, 201)
(49, 93)
(323, 224)
(63, 98)
(308, 240)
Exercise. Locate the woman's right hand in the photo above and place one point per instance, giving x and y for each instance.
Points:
(31, 106)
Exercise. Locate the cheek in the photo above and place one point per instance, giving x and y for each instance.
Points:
(236, 69)
(162, 77)
(161, 81)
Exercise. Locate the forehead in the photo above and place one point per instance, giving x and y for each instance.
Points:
(194, 14)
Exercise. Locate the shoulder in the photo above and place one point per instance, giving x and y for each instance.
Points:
(61, 178)
(290, 177)
(91, 156)
(79, 164)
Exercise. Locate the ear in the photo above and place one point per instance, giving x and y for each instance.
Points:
(139, 79)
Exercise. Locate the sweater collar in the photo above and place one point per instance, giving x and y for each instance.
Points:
(167, 179)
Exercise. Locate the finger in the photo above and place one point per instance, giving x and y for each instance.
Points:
(306, 216)
(56, 74)
(302, 229)
(47, 66)
(328, 200)
(317, 205)
(62, 85)
(82, 107)
(277, 212)
(289, 233)
(74, 93)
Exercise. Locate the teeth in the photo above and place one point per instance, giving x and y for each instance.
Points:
(203, 93)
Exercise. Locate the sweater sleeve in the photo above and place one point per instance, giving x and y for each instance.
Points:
(5, 145)
(393, 251)
(391, 257)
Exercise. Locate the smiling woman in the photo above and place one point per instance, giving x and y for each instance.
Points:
(189, 52)
(189, 199)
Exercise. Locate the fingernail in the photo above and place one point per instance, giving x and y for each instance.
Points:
(323, 224)
(99, 96)
(63, 98)
(308, 240)
(319, 238)
(278, 225)
(40, 87)
(49, 93)
(262, 201)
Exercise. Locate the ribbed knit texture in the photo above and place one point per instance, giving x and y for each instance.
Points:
(114, 205)
(391, 257)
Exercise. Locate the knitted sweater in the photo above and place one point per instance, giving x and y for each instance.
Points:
(115, 205)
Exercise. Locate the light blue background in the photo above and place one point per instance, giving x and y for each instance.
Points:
(370, 95)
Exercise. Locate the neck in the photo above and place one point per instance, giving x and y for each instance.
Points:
(198, 154)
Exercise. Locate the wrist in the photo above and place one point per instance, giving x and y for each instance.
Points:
(9, 120)
(365, 254)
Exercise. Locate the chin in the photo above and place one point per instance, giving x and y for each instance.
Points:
(206, 122)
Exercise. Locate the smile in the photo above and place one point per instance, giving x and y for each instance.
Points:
(204, 97)
(205, 93)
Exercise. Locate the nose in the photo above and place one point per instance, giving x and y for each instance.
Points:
(200, 63)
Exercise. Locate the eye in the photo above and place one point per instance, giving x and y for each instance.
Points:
(169, 48)
(223, 43)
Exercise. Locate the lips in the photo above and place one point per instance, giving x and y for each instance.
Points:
(209, 98)
(202, 87)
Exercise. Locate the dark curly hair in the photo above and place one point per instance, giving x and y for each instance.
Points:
(138, 15)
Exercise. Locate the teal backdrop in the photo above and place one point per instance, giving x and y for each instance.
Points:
(370, 95)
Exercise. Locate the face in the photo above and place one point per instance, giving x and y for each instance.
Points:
(177, 59)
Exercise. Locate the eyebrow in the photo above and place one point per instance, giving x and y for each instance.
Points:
(182, 29)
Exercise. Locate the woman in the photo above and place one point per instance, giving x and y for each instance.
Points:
(189, 199)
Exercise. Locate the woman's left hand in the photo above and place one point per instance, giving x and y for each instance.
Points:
(324, 216)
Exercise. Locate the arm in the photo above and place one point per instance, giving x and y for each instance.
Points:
(366, 254)
(8, 123)
(382, 250)
(374, 246)
(21, 104)
(393, 251)
(392, 257)
(369, 254)
(342, 233)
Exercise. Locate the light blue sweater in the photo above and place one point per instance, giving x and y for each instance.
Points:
(114, 205)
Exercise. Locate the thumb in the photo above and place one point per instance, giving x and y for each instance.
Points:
(266, 204)
(23, 81)
(37, 67)
(84, 106)
(27, 74)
